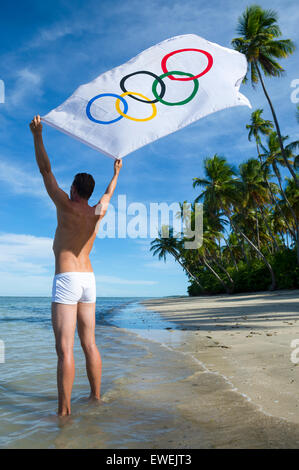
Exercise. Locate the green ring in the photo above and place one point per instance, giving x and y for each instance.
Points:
(167, 103)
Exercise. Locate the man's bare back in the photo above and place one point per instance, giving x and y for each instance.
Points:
(74, 286)
(77, 226)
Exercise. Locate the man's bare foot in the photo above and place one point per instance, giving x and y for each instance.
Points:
(64, 419)
(91, 399)
(94, 399)
(63, 414)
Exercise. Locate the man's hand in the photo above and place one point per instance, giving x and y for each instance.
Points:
(117, 165)
(36, 125)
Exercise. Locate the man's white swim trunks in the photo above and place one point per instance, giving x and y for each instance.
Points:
(73, 287)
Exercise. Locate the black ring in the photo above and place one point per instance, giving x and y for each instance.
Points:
(163, 87)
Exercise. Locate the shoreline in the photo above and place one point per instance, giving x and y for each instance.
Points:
(158, 388)
(246, 339)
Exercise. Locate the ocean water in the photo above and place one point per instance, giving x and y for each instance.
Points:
(155, 394)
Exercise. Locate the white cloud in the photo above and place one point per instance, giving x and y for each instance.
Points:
(168, 266)
(25, 253)
(117, 280)
(31, 284)
(27, 83)
(20, 181)
(57, 31)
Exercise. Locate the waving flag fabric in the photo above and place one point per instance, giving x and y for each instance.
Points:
(160, 91)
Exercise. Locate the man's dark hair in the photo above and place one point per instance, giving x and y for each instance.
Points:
(84, 184)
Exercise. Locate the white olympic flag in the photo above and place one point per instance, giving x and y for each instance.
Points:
(160, 91)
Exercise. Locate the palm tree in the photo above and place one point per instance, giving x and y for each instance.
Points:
(224, 191)
(258, 126)
(210, 252)
(255, 193)
(293, 196)
(231, 250)
(281, 225)
(165, 244)
(258, 41)
(273, 157)
(203, 259)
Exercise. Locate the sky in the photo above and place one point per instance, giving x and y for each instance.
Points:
(47, 50)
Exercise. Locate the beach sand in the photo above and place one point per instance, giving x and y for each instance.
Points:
(247, 339)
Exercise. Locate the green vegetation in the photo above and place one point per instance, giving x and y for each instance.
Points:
(250, 213)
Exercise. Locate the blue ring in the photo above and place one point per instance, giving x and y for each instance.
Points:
(99, 96)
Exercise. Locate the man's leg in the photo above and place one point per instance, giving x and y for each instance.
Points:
(64, 325)
(86, 331)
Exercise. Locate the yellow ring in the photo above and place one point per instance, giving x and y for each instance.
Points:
(132, 118)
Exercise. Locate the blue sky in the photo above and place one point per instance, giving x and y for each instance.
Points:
(47, 50)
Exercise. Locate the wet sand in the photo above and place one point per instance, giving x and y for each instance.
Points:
(247, 339)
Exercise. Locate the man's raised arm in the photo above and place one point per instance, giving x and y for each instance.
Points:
(103, 203)
(58, 196)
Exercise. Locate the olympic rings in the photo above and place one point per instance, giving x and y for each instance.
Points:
(132, 118)
(159, 97)
(99, 96)
(163, 87)
(208, 67)
(178, 103)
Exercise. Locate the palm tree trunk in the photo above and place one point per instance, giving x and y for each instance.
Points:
(234, 226)
(232, 254)
(220, 266)
(241, 241)
(258, 152)
(227, 290)
(187, 270)
(257, 231)
(269, 229)
(291, 170)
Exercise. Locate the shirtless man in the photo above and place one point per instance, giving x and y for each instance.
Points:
(74, 289)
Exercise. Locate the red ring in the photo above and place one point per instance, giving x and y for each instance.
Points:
(208, 67)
